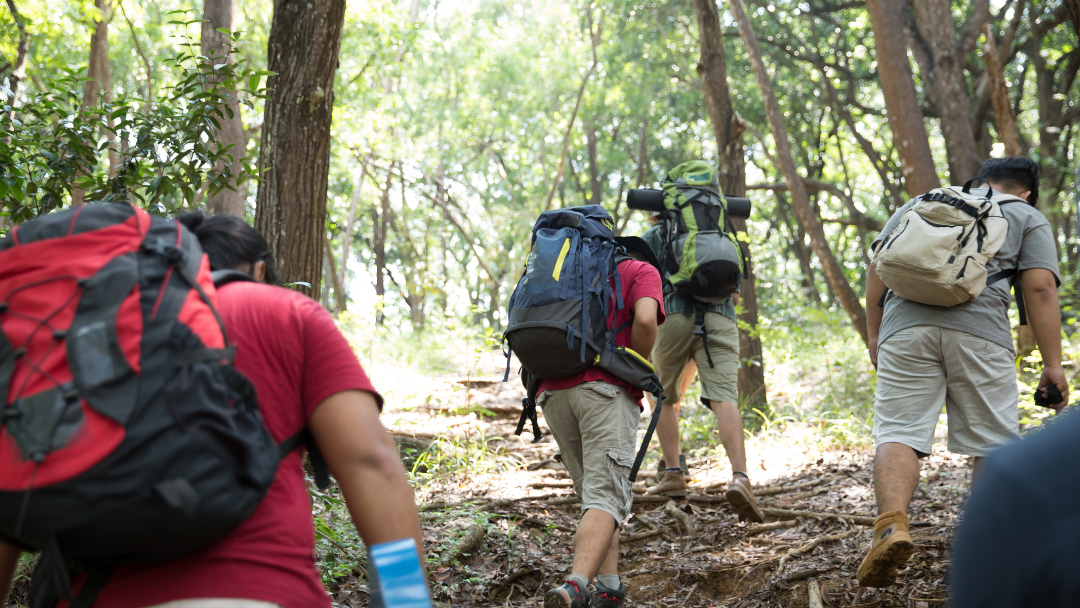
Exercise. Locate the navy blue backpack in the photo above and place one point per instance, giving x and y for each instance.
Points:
(558, 314)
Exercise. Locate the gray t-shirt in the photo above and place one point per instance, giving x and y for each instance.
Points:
(1029, 244)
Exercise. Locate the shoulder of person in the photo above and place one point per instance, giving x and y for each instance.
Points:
(1024, 212)
(268, 297)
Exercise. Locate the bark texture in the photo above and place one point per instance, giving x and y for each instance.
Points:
(936, 22)
(905, 115)
(98, 88)
(221, 14)
(1003, 114)
(294, 156)
(731, 164)
(22, 51)
(800, 199)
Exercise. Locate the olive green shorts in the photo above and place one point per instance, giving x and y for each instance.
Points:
(595, 425)
(676, 344)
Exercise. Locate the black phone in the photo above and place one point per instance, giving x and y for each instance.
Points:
(1053, 395)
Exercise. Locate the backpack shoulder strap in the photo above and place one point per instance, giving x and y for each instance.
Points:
(318, 463)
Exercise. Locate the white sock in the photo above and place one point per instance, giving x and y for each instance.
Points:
(611, 581)
(580, 579)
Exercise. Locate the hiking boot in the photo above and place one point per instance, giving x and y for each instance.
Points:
(661, 468)
(671, 485)
(567, 595)
(890, 549)
(609, 598)
(741, 498)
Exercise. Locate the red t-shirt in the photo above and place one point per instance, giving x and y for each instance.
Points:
(639, 280)
(290, 349)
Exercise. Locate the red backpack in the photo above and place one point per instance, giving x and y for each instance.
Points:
(126, 436)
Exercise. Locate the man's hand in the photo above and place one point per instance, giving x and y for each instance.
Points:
(874, 290)
(1055, 376)
(1039, 287)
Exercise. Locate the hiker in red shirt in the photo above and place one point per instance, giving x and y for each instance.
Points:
(594, 418)
(305, 375)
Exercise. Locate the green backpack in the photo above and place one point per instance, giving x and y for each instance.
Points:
(703, 259)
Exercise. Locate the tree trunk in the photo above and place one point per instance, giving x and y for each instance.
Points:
(801, 201)
(379, 221)
(1072, 7)
(350, 225)
(904, 113)
(220, 14)
(936, 21)
(18, 69)
(596, 184)
(98, 87)
(294, 156)
(999, 93)
(731, 165)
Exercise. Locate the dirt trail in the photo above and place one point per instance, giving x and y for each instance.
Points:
(528, 511)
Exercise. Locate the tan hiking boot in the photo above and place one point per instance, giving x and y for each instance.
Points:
(741, 498)
(890, 549)
(671, 485)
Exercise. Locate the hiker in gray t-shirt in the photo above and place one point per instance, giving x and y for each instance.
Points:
(960, 356)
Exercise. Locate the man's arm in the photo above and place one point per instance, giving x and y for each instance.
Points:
(643, 332)
(9, 560)
(364, 460)
(874, 289)
(1039, 287)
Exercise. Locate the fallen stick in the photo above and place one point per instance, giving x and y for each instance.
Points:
(810, 546)
(813, 592)
(469, 541)
(640, 536)
(686, 600)
(862, 520)
(807, 494)
(772, 490)
(513, 576)
(801, 574)
(680, 516)
(706, 499)
(552, 484)
(776, 525)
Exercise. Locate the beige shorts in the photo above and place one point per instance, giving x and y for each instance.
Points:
(676, 344)
(924, 367)
(595, 425)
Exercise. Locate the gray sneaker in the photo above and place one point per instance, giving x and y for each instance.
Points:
(609, 598)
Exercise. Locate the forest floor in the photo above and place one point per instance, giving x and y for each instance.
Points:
(499, 513)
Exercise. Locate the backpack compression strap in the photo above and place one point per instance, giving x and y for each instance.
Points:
(699, 311)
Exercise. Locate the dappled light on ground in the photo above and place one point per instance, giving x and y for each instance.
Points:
(499, 511)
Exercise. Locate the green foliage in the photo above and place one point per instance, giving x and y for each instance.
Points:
(163, 154)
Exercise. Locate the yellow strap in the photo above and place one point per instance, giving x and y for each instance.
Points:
(562, 258)
(637, 356)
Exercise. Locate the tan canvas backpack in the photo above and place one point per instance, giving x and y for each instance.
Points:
(938, 252)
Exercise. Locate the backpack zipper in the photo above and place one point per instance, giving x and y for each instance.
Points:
(562, 259)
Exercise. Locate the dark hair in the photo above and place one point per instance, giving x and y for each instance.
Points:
(1019, 172)
(230, 243)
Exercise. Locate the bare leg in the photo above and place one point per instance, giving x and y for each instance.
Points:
(667, 431)
(896, 475)
(976, 467)
(592, 543)
(667, 428)
(611, 560)
(729, 422)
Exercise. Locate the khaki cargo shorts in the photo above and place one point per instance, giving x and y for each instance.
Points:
(595, 425)
(676, 344)
(924, 367)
